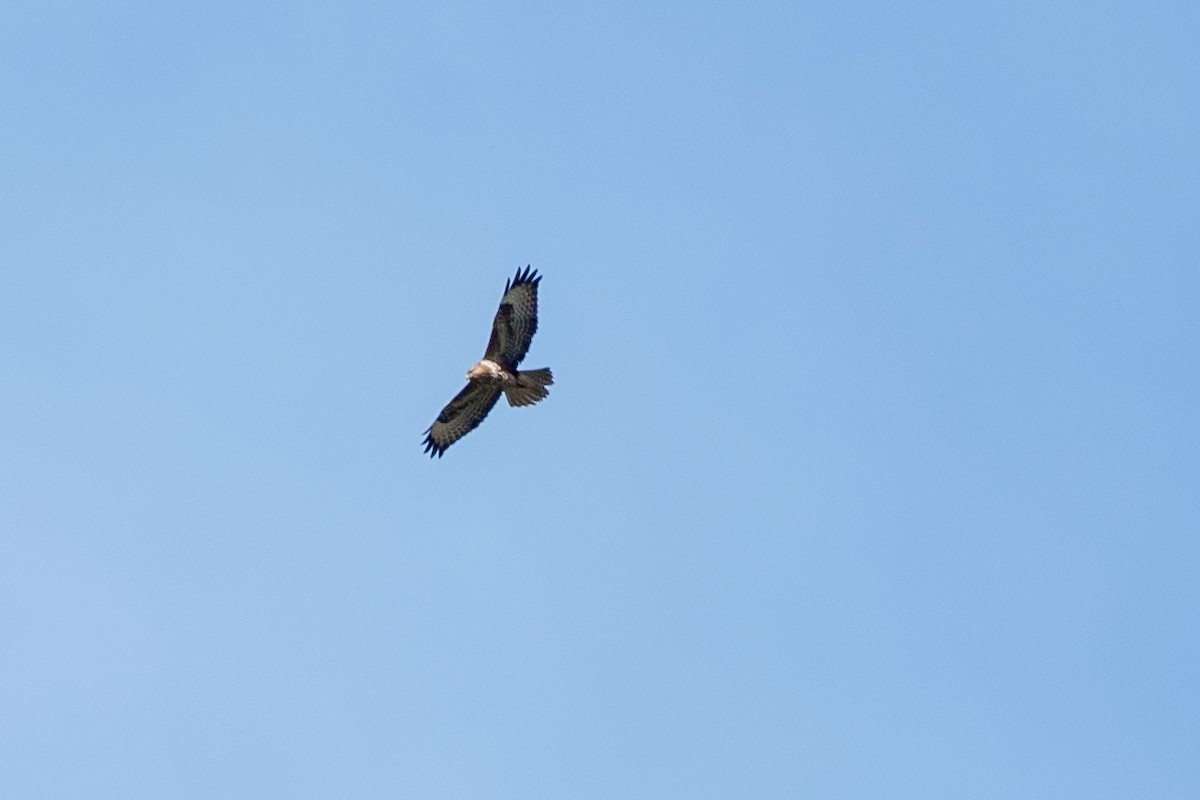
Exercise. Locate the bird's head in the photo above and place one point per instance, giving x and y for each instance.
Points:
(486, 369)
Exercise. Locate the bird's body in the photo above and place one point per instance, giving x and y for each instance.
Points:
(497, 373)
(520, 387)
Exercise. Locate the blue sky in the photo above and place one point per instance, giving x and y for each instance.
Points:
(870, 469)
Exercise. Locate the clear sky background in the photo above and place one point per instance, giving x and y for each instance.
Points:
(872, 468)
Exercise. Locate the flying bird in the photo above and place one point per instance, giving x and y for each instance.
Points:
(512, 330)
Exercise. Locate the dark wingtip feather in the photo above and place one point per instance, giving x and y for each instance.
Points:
(432, 447)
(526, 275)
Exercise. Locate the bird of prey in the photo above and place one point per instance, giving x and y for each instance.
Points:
(512, 330)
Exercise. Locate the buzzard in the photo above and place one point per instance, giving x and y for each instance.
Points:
(512, 330)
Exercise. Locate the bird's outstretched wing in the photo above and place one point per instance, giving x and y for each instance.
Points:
(516, 320)
(460, 416)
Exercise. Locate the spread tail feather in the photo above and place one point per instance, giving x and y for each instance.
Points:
(529, 388)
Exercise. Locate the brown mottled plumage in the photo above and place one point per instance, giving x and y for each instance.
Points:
(512, 330)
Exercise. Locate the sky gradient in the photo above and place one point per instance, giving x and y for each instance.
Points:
(870, 469)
